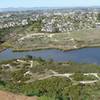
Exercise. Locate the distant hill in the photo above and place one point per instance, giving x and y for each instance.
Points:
(45, 8)
(23, 9)
(14, 9)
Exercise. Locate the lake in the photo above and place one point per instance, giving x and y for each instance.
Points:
(85, 55)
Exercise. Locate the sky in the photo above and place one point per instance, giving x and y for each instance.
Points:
(48, 3)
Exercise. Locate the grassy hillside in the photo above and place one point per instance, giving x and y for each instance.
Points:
(20, 37)
(50, 80)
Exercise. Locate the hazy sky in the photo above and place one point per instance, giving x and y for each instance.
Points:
(48, 3)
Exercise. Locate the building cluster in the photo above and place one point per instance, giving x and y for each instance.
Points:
(9, 20)
(53, 21)
(71, 21)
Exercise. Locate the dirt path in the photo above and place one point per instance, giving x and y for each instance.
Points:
(55, 74)
(35, 34)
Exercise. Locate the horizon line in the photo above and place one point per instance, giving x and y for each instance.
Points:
(53, 7)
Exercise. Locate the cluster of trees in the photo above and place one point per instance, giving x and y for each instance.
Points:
(98, 17)
(35, 25)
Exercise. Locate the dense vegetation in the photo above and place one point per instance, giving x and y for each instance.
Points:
(98, 17)
(55, 89)
(15, 79)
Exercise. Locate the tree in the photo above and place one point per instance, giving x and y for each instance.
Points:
(98, 17)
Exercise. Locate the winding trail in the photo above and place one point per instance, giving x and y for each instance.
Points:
(55, 74)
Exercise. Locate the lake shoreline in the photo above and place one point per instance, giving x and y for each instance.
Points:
(61, 49)
(47, 48)
(83, 55)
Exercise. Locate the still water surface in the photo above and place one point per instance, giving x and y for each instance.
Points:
(85, 55)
